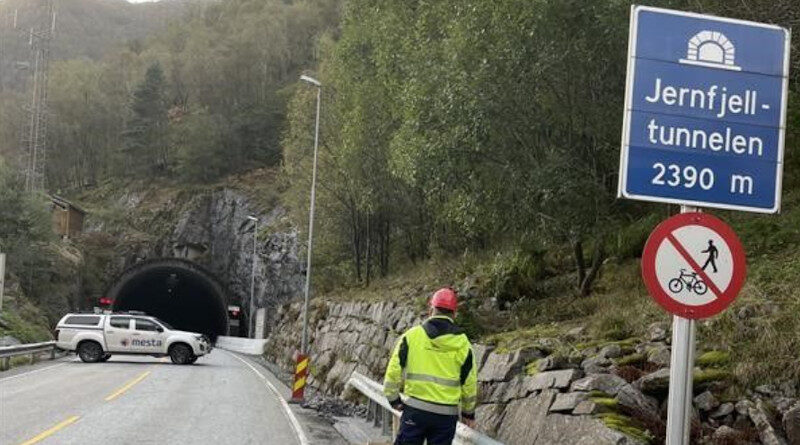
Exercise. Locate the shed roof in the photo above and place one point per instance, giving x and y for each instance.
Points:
(61, 202)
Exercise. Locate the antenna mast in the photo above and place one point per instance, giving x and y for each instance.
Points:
(33, 140)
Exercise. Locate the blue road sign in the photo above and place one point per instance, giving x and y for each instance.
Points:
(705, 111)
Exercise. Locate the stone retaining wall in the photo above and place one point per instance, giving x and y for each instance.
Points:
(545, 408)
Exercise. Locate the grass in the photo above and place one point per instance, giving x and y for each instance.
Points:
(626, 425)
(625, 344)
(630, 359)
(22, 320)
(20, 361)
(701, 376)
(532, 368)
(714, 359)
(524, 338)
(608, 403)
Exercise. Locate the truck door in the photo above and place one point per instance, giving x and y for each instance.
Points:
(118, 334)
(147, 337)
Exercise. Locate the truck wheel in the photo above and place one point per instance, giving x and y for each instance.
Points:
(193, 359)
(180, 354)
(90, 352)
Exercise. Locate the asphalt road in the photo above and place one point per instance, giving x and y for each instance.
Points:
(142, 400)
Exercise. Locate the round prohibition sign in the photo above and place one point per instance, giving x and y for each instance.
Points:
(693, 265)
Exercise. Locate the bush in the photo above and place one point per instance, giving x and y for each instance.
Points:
(613, 327)
(513, 276)
(628, 242)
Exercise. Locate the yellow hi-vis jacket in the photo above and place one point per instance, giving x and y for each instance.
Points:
(433, 365)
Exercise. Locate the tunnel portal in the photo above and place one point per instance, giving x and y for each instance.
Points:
(179, 292)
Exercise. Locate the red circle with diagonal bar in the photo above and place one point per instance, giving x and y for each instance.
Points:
(693, 265)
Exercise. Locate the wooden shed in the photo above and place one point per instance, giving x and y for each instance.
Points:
(67, 217)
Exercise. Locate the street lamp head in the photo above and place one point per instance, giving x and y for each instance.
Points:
(311, 80)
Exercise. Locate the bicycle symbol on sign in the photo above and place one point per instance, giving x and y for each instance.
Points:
(688, 280)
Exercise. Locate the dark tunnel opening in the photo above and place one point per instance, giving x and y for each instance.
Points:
(178, 292)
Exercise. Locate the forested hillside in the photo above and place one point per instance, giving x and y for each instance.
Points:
(466, 126)
(84, 28)
(201, 98)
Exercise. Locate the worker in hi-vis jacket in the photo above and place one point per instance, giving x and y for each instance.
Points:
(433, 365)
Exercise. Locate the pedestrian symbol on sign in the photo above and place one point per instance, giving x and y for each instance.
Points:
(713, 254)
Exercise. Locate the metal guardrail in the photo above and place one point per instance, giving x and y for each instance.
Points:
(32, 349)
(382, 414)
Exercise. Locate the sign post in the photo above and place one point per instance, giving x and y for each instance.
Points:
(679, 405)
(681, 367)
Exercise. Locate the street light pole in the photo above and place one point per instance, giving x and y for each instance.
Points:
(252, 317)
(304, 345)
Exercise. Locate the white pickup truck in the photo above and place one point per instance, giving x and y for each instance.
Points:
(95, 337)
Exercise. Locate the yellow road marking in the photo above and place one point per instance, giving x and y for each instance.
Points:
(127, 386)
(51, 431)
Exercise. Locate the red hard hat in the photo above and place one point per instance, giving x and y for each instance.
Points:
(445, 298)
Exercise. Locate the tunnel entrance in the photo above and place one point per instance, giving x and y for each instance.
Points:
(180, 292)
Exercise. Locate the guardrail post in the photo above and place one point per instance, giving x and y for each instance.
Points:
(376, 417)
(387, 422)
(5, 364)
(33, 357)
(370, 404)
(53, 353)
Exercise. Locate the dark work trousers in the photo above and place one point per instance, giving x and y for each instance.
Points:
(417, 426)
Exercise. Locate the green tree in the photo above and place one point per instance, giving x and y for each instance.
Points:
(25, 234)
(201, 153)
(145, 132)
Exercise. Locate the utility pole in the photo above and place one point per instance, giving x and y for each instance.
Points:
(2, 278)
(8, 24)
(33, 140)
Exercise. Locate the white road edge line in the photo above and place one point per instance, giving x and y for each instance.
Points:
(301, 435)
(31, 372)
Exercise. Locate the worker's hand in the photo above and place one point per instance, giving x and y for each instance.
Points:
(468, 422)
(399, 405)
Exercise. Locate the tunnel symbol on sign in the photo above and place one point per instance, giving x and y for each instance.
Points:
(711, 49)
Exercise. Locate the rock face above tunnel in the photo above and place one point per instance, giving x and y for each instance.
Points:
(212, 229)
(216, 230)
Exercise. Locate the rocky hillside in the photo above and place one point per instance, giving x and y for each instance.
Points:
(559, 388)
